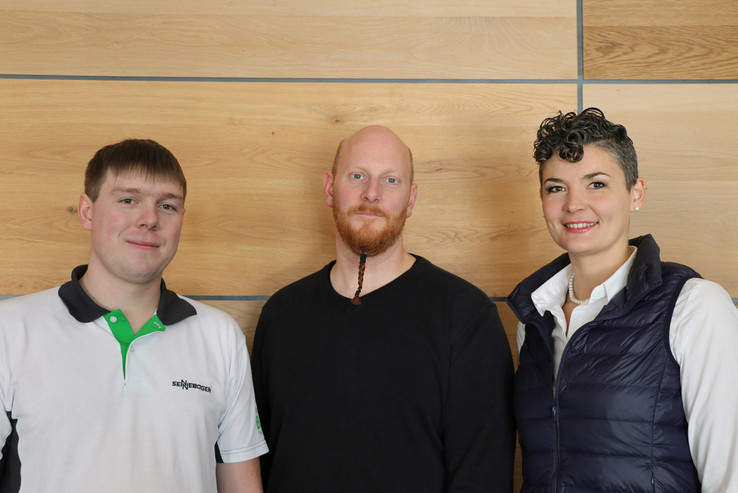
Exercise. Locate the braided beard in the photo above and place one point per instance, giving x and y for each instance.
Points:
(365, 239)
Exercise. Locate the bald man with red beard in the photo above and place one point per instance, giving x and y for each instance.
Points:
(382, 372)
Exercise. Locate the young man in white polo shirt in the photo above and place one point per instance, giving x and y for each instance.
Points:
(112, 383)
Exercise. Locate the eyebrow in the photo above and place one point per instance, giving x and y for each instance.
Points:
(164, 196)
(365, 169)
(588, 176)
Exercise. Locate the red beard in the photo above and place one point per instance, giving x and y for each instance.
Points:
(365, 239)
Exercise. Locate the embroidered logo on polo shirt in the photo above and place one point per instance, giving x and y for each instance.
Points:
(185, 385)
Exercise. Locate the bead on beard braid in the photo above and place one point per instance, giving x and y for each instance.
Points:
(362, 265)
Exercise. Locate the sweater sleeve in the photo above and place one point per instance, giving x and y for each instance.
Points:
(479, 430)
(260, 387)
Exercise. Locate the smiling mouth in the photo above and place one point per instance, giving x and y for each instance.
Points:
(580, 225)
(143, 244)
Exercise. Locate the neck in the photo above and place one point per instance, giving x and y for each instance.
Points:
(138, 302)
(590, 272)
(380, 269)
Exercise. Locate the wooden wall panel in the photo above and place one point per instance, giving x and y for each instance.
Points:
(325, 8)
(657, 39)
(255, 154)
(685, 136)
(474, 39)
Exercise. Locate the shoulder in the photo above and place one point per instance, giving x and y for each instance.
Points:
(31, 304)
(703, 313)
(448, 296)
(704, 294)
(210, 320)
(447, 284)
(207, 312)
(38, 316)
(293, 306)
(704, 326)
(673, 269)
(299, 290)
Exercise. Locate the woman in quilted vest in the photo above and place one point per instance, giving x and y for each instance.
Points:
(627, 377)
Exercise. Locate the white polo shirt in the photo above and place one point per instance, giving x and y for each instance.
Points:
(93, 415)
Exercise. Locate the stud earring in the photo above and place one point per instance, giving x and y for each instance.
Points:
(637, 208)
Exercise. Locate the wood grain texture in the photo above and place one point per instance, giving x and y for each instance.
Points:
(324, 8)
(685, 136)
(255, 154)
(473, 39)
(655, 39)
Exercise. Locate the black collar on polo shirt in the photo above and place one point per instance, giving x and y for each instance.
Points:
(171, 309)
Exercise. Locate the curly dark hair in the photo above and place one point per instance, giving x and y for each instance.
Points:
(569, 133)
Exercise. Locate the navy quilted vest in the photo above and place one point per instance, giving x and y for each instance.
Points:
(617, 423)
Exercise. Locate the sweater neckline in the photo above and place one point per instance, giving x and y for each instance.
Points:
(389, 289)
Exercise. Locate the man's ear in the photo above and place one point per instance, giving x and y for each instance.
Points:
(328, 186)
(413, 198)
(84, 209)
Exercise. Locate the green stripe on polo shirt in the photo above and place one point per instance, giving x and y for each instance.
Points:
(123, 332)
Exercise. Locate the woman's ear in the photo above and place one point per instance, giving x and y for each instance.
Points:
(638, 194)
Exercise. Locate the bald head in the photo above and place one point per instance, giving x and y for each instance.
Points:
(373, 142)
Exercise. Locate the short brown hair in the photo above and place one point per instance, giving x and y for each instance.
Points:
(136, 155)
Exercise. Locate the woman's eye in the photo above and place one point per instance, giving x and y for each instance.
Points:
(554, 189)
(597, 184)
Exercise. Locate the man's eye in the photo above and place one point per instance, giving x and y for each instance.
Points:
(168, 207)
(392, 181)
(357, 176)
(597, 184)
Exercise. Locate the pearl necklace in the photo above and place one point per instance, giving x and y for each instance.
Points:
(571, 292)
